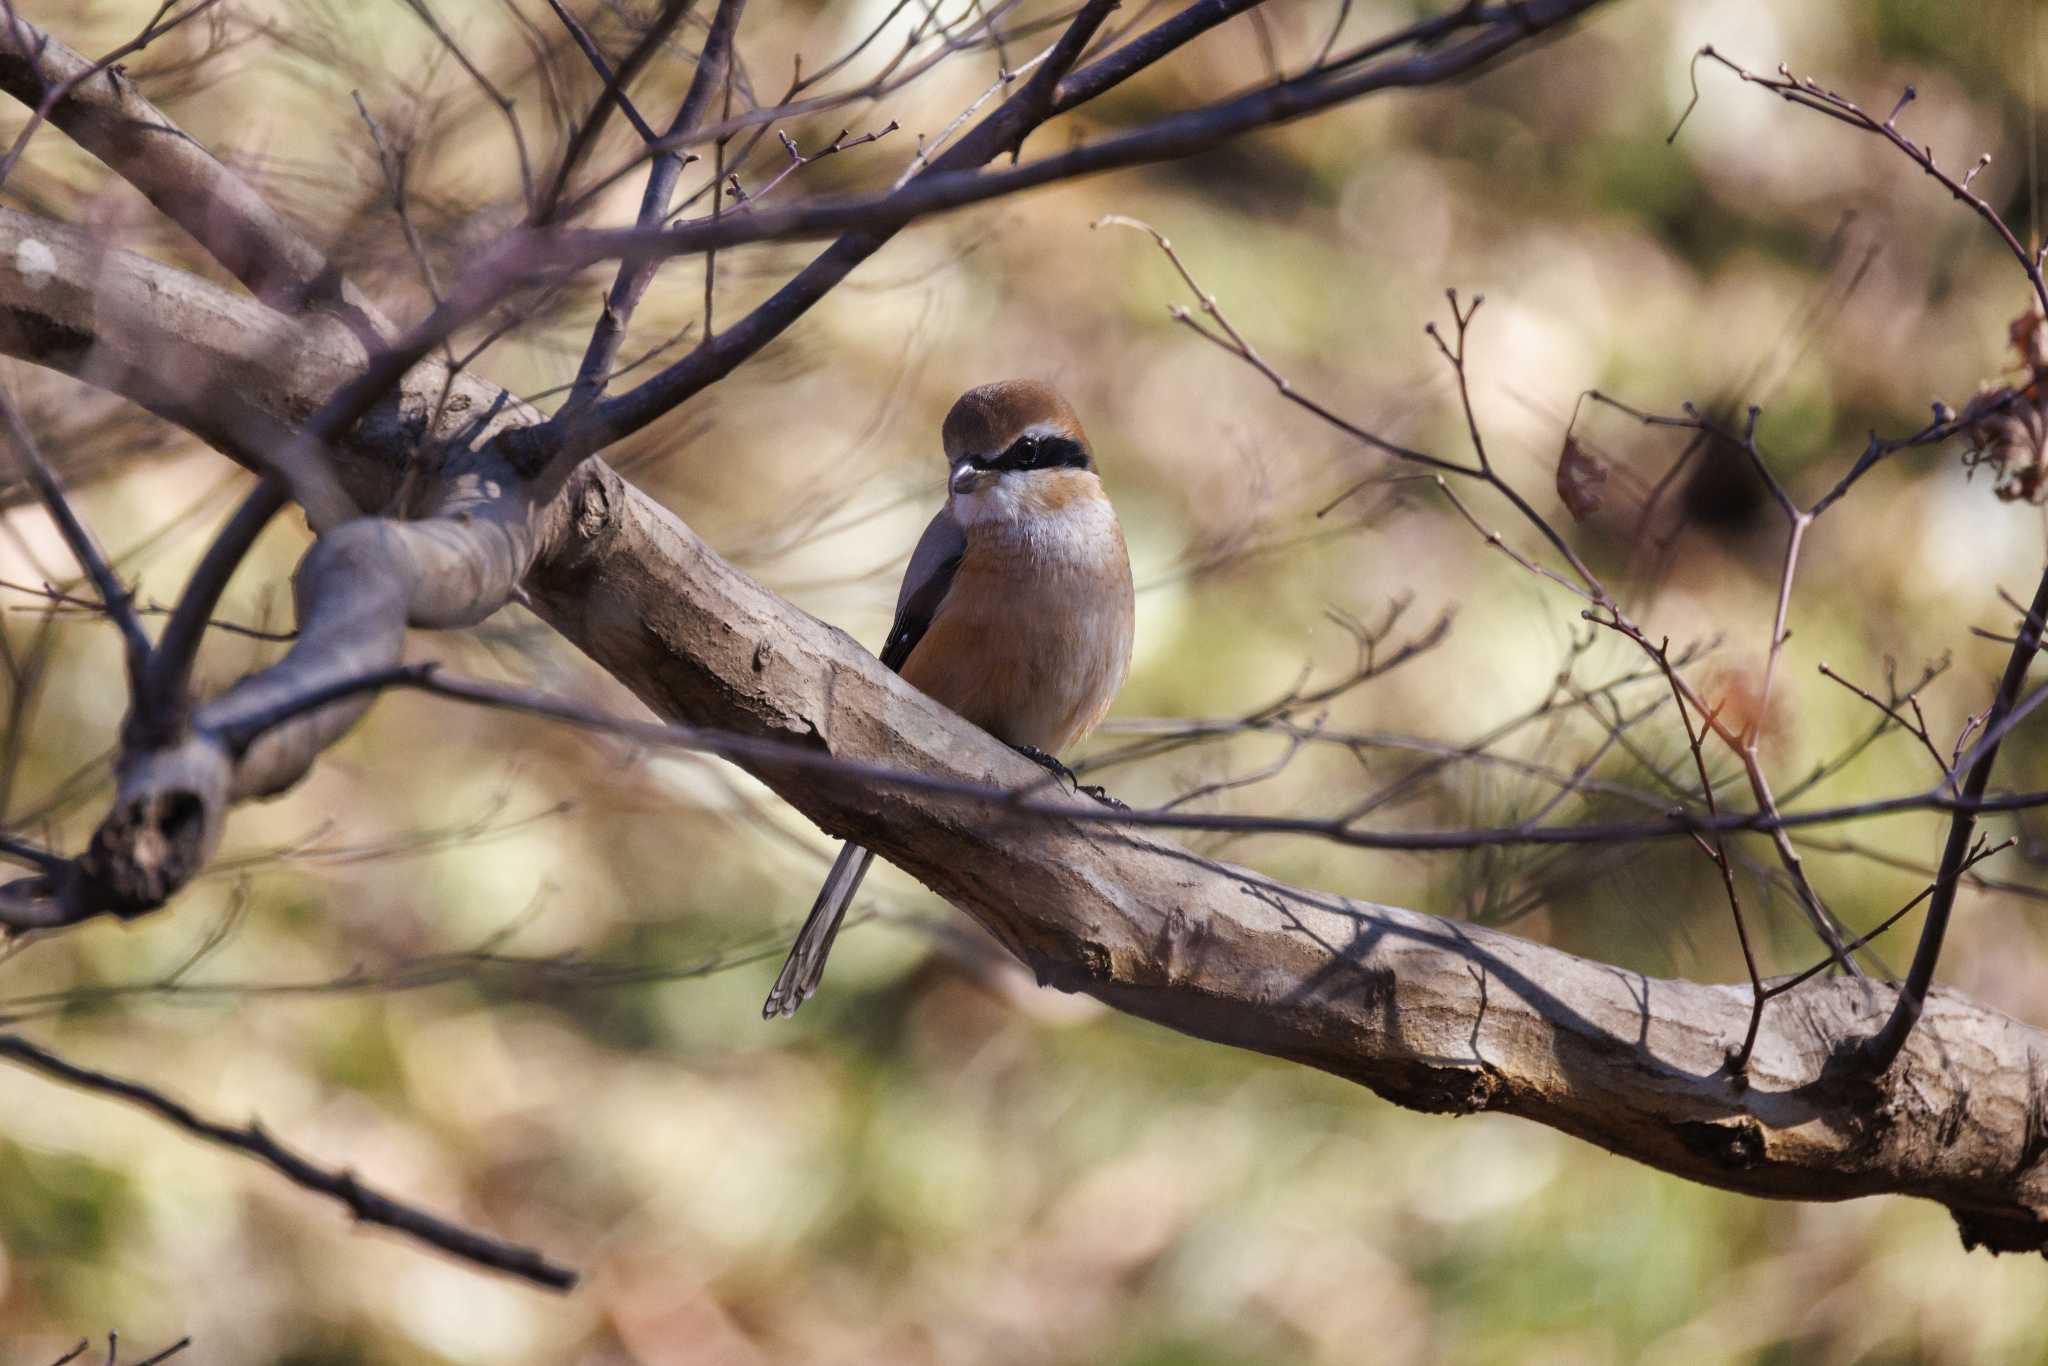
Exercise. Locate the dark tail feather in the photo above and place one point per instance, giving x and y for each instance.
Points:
(798, 981)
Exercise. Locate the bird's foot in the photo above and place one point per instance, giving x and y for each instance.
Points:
(1049, 764)
(1068, 776)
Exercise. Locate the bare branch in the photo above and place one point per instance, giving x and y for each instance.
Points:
(362, 584)
(547, 207)
(634, 277)
(1809, 94)
(1234, 342)
(367, 1205)
(1738, 1061)
(497, 97)
(113, 593)
(1605, 609)
(237, 375)
(1915, 727)
(1883, 1049)
(169, 679)
(56, 91)
(394, 168)
(953, 181)
(603, 68)
(222, 212)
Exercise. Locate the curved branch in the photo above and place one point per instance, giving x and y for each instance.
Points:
(365, 1203)
(104, 113)
(234, 373)
(358, 589)
(230, 370)
(954, 179)
(1430, 1013)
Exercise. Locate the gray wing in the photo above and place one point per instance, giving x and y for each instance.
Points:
(925, 585)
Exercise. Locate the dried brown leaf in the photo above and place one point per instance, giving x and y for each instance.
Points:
(1581, 479)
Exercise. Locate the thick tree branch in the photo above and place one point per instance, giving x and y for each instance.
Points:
(230, 369)
(1430, 1013)
(105, 114)
(239, 376)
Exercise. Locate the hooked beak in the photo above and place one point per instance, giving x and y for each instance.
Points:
(967, 479)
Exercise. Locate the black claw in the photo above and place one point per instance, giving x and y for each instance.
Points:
(1049, 764)
(1067, 775)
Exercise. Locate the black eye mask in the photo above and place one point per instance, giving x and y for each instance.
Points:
(1037, 453)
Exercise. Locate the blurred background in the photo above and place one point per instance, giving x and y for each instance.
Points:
(513, 972)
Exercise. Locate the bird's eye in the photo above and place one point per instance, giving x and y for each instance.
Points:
(1037, 451)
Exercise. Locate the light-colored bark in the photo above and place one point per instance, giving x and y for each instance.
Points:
(240, 374)
(1430, 1013)
(104, 113)
(231, 371)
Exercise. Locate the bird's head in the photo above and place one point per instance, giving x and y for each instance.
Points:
(1016, 447)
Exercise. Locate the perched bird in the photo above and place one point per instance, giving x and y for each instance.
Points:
(1016, 611)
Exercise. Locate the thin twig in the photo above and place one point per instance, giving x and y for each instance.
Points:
(1738, 1061)
(114, 595)
(546, 208)
(54, 95)
(1809, 94)
(1605, 610)
(603, 68)
(69, 606)
(392, 163)
(496, 96)
(633, 277)
(367, 1205)
(1916, 727)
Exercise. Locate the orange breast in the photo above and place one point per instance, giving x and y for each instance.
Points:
(1033, 638)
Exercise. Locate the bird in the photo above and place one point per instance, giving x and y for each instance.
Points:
(1016, 611)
